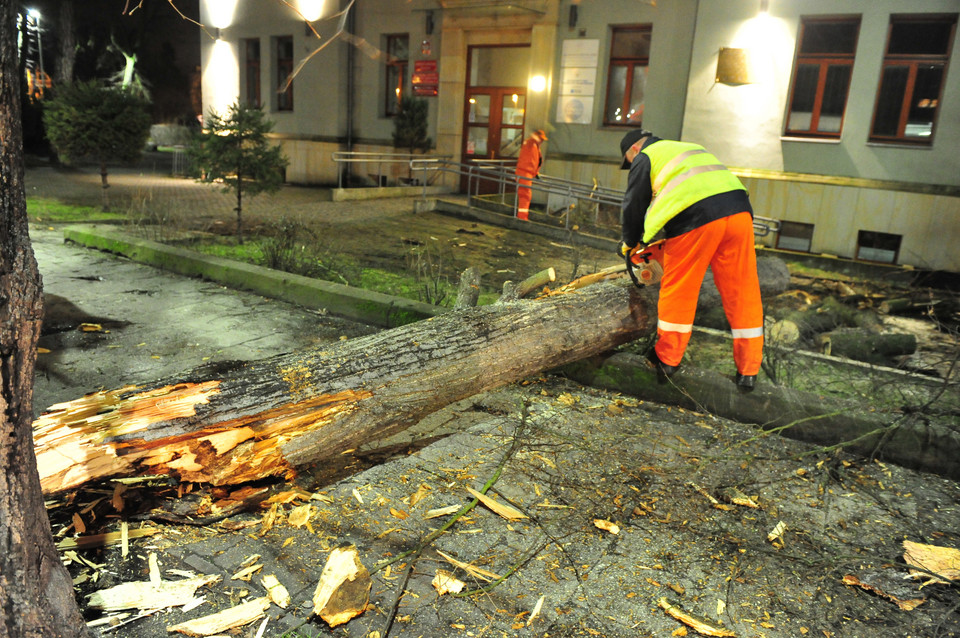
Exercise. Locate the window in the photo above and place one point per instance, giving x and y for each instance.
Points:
(912, 79)
(398, 51)
(283, 46)
(876, 246)
(627, 79)
(795, 236)
(821, 76)
(251, 75)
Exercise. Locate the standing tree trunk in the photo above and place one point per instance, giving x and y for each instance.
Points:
(104, 185)
(239, 207)
(36, 593)
(67, 54)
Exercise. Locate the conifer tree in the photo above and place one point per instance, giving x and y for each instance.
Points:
(234, 148)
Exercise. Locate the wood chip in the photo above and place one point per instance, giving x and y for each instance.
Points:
(943, 561)
(225, 620)
(154, 567)
(247, 572)
(606, 525)
(506, 511)
(737, 497)
(442, 511)
(695, 624)
(277, 592)
(446, 583)
(343, 590)
(536, 610)
(776, 534)
(300, 516)
(422, 492)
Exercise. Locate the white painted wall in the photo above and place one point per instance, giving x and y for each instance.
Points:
(743, 124)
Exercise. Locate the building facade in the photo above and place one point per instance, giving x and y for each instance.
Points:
(842, 117)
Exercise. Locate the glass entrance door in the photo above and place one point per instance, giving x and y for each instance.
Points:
(495, 106)
(493, 128)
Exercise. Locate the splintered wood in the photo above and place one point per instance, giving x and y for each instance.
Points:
(108, 434)
(506, 511)
(225, 620)
(148, 594)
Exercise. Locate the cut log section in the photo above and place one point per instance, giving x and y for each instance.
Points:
(266, 418)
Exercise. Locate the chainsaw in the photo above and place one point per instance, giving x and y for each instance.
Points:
(645, 265)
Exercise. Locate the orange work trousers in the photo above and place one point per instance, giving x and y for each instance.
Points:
(524, 195)
(726, 245)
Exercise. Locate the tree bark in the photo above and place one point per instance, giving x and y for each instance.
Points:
(36, 593)
(468, 292)
(268, 417)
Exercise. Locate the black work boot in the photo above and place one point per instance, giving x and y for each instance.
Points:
(664, 371)
(745, 382)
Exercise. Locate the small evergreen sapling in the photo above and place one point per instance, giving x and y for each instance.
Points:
(234, 149)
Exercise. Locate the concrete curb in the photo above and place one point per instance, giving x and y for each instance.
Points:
(345, 301)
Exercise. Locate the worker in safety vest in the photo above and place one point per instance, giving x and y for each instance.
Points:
(528, 167)
(705, 215)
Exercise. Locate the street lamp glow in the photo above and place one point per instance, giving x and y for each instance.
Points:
(35, 14)
(311, 9)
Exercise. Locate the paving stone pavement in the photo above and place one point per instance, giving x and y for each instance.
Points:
(567, 455)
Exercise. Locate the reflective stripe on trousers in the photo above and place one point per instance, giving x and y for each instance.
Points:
(727, 247)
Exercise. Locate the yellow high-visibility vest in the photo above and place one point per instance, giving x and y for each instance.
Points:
(682, 174)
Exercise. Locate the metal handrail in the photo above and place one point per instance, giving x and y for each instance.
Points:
(360, 157)
(503, 173)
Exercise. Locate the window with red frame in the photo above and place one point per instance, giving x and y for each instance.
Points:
(821, 76)
(627, 76)
(913, 76)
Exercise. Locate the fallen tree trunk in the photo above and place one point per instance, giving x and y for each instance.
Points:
(260, 419)
(864, 346)
(804, 416)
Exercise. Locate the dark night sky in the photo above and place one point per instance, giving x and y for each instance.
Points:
(167, 47)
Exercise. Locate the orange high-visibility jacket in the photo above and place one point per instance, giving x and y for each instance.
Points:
(530, 159)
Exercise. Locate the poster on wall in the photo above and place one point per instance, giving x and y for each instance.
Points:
(578, 81)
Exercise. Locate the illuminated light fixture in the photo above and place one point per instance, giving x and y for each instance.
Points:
(221, 78)
(221, 12)
(764, 6)
(538, 83)
(473, 100)
(310, 9)
(515, 98)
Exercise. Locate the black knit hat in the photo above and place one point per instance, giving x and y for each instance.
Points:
(629, 140)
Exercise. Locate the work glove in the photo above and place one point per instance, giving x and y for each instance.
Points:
(626, 251)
